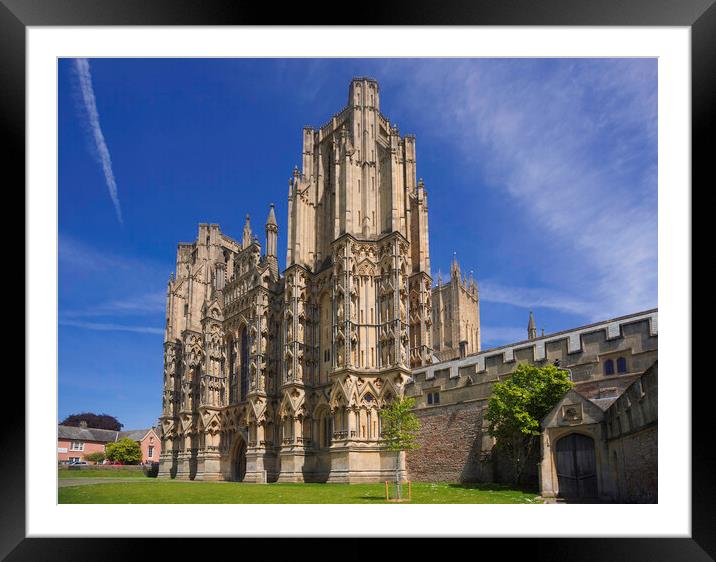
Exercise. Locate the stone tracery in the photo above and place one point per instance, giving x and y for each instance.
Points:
(297, 366)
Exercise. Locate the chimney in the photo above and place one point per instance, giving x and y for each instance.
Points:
(83, 424)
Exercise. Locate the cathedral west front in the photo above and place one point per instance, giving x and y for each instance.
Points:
(274, 375)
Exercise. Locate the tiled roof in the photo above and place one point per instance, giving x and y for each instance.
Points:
(133, 434)
(101, 435)
(604, 403)
(86, 434)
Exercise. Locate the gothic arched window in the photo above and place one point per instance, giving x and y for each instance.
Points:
(621, 365)
(609, 367)
(244, 364)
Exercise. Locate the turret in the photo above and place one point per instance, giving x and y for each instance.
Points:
(271, 233)
(455, 267)
(531, 328)
(363, 92)
(248, 237)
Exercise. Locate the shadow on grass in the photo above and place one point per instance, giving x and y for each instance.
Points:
(373, 498)
(494, 487)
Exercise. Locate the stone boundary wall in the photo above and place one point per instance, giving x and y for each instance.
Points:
(451, 440)
(635, 459)
(455, 444)
(107, 467)
(632, 437)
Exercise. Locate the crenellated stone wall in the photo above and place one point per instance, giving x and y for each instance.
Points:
(464, 387)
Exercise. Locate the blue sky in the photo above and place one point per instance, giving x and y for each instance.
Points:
(541, 176)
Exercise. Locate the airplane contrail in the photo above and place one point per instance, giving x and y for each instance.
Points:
(82, 68)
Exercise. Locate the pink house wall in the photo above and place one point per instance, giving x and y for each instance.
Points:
(90, 447)
(150, 440)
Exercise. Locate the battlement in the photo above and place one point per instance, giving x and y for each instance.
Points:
(577, 350)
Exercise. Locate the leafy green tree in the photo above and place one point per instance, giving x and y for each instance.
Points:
(517, 406)
(125, 451)
(97, 457)
(400, 428)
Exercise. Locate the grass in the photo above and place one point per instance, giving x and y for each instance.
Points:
(153, 491)
(101, 473)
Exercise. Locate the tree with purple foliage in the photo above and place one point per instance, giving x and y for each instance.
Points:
(95, 421)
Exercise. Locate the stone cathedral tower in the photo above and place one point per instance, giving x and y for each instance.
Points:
(282, 377)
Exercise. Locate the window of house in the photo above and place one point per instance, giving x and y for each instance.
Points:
(621, 365)
(430, 397)
(436, 398)
(74, 459)
(609, 367)
(77, 446)
(150, 452)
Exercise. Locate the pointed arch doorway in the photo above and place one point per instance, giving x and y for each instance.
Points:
(238, 460)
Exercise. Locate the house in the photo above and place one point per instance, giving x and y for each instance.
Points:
(74, 443)
(148, 440)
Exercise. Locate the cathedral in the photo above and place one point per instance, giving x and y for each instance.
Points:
(274, 375)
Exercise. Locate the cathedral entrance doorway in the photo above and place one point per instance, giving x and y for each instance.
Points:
(576, 466)
(238, 460)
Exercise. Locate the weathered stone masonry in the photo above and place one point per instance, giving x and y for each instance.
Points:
(464, 387)
(281, 376)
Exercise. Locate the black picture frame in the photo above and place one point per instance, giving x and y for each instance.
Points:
(698, 15)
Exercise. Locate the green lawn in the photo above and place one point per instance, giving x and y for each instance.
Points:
(100, 473)
(152, 490)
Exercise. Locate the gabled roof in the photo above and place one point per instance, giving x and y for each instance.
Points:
(86, 434)
(590, 412)
(604, 403)
(100, 435)
(134, 434)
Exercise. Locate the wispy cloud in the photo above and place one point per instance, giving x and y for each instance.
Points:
(80, 256)
(149, 303)
(572, 143)
(534, 297)
(84, 76)
(107, 327)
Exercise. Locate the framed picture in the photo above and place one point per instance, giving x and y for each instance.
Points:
(39, 37)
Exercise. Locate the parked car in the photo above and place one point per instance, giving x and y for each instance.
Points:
(78, 462)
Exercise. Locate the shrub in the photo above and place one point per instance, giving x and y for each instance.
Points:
(125, 451)
(96, 457)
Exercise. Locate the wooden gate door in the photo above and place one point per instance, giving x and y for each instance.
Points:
(576, 466)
